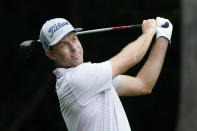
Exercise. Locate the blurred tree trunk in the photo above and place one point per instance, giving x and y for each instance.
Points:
(32, 106)
(187, 120)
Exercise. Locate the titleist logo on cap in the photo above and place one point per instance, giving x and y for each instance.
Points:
(56, 27)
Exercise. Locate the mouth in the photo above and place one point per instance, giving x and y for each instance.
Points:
(75, 56)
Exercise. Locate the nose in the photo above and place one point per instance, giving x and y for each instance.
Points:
(73, 46)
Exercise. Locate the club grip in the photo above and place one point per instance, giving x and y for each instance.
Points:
(166, 25)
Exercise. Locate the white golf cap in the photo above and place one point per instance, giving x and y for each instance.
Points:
(54, 30)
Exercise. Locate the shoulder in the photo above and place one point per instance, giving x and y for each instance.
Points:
(84, 73)
(87, 73)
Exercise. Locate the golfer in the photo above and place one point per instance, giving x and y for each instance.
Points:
(89, 93)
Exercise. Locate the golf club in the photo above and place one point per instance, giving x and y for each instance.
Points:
(137, 26)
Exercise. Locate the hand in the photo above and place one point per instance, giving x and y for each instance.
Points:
(161, 31)
(149, 26)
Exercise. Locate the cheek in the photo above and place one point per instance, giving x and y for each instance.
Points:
(62, 55)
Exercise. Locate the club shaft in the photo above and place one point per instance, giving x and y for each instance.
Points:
(109, 29)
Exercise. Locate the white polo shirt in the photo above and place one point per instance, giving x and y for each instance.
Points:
(88, 100)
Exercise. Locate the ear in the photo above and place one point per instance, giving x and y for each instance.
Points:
(50, 54)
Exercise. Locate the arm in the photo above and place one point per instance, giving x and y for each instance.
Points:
(148, 75)
(135, 51)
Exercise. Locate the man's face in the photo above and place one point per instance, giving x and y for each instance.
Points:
(68, 52)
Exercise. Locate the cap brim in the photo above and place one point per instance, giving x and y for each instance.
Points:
(78, 29)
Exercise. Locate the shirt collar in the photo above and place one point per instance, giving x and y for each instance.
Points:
(59, 72)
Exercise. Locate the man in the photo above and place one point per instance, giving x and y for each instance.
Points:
(88, 92)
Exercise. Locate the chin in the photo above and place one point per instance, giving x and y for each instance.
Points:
(78, 63)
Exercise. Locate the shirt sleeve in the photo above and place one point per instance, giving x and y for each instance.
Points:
(87, 80)
(116, 81)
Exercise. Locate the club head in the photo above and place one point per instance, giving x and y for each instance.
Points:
(26, 48)
(26, 44)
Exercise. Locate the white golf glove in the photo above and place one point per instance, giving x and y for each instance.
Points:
(162, 31)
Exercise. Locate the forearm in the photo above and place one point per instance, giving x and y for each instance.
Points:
(133, 52)
(152, 68)
(138, 48)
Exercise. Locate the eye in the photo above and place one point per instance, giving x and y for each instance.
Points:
(63, 44)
